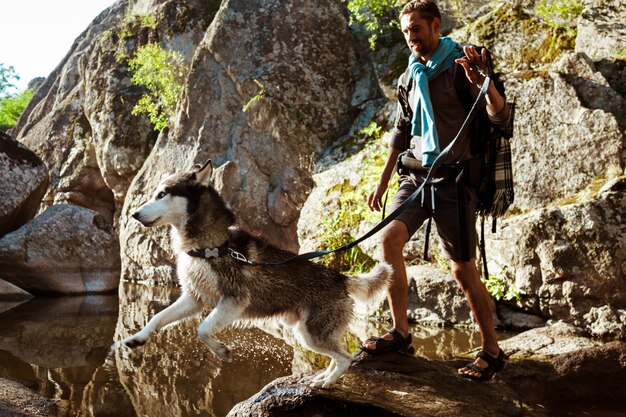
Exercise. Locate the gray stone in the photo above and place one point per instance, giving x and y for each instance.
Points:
(23, 181)
(569, 260)
(393, 384)
(436, 299)
(517, 320)
(311, 95)
(17, 400)
(10, 292)
(602, 29)
(66, 249)
(80, 119)
(547, 342)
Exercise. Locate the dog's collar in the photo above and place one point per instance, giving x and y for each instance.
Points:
(208, 253)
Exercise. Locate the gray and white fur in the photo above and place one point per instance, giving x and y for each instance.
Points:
(317, 301)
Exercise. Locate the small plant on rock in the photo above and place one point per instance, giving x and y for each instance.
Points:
(499, 288)
(162, 73)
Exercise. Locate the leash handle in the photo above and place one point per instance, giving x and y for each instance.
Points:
(476, 107)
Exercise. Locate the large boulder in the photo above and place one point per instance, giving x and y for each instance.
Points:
(570, 260)
(23, 181)
(66, 249)
(280, 60)
(562, 141)
(602, 29)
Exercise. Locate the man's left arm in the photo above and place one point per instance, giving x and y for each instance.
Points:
(497, 109)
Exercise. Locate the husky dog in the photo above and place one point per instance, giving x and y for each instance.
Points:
(215, 265)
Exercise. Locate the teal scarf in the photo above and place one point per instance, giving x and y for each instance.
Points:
(423, 117)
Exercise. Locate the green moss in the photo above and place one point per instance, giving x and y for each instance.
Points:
(592, 189)
(338, 228)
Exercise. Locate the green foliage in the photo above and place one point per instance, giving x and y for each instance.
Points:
(12, 107)
(499, 288)
(338, 227)
(7, 76)
(376, 16)
(258, 97)
(621, 55)
(162, 73)
(560, 14)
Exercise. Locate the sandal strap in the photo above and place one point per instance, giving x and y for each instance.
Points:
(498, 361)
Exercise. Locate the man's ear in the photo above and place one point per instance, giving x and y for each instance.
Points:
(204, 172)
(436, 25)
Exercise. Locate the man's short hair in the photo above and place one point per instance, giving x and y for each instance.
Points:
(427, 9)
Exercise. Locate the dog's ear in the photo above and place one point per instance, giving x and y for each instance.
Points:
(204, 172)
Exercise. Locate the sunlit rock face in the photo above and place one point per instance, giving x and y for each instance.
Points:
(23, 181)
(67, 249)
(280, 58)
(570, 259)
(80, 120)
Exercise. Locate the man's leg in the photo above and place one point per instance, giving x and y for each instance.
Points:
(468, 277)
(394, 238)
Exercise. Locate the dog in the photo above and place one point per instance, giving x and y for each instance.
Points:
(215, 268)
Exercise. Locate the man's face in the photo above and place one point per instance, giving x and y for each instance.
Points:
(420, 36)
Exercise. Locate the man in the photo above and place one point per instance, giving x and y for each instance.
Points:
(430, 114)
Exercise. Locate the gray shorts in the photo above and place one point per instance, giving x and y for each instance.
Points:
(445, 213)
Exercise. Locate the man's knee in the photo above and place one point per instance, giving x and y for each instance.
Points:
(394, 236)
(466, 274)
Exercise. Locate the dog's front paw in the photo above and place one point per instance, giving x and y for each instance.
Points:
(133, 342)
(218, 348)
(222, 352)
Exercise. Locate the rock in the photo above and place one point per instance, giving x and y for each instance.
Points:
(80, 120)
(9, 292)
(66, 249)
(392, 385)
(547, 342)
(602, 29)
(517, 320)
(23, 180)
(569, 260)
(302, 96)
(568, 131)
(435, 298)
(17, 400)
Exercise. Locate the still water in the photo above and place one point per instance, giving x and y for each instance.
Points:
(60, 347)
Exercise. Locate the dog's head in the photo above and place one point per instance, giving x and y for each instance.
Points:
(179, 197)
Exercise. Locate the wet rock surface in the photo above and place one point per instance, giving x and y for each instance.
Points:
(397, 385)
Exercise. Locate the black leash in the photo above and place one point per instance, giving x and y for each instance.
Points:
(476, 107)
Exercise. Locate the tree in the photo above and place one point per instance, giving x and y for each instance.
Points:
(7, 76)
(12, 107)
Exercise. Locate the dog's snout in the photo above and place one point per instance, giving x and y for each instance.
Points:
(136, 215)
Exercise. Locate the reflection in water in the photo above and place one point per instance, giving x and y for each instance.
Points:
(60, 348)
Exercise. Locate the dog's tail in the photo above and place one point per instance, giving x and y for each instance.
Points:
(367, 286)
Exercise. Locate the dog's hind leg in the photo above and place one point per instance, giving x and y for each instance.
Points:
(329, 346)
(225, 313)
(184, 307)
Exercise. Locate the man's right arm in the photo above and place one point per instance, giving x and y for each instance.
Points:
(374, 200)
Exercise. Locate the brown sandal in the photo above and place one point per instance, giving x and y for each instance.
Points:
(398, 344)
(494, 365)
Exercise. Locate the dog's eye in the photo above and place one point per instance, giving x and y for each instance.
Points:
(161, 195)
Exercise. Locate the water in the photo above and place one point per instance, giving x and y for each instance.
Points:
(60, 348)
